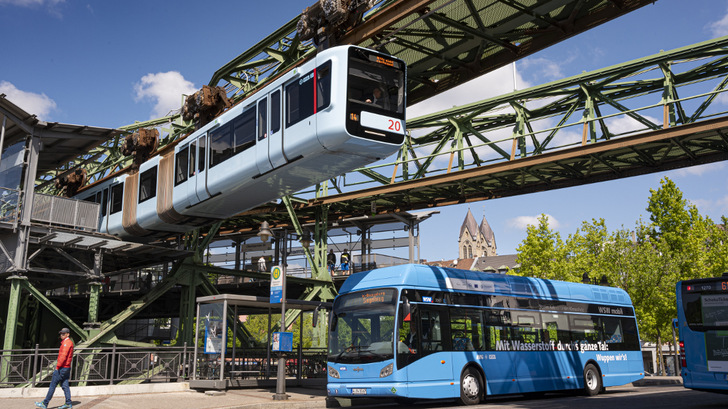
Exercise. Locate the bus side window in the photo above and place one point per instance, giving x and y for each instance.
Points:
(180, 173)
(527, 327)
(497, 330)
(556, 327)
(466, 329)
(585, 328)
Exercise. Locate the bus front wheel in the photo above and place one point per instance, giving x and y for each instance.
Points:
(592, 380)
(471, 387)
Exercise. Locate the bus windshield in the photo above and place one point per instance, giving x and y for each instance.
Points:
(362, 327)
(705, 305)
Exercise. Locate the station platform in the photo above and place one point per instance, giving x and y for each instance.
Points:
(166, 396)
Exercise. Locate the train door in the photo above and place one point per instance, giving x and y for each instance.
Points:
(197, 183)
(275, 139)
(263, 142)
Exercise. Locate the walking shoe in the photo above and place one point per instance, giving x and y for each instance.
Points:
(65, 406)
(41, 405)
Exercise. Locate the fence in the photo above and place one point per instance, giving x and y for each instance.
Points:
(256, 363)
(109, 366)
(65, 212)
(33, 367)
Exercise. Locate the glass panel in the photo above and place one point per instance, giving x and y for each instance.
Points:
(148, 184)
(299, 99)
(180, 174)
(193, 154)
(275, 112)
(245, 130)
(117, 197)
(221, 145)
(263, 119)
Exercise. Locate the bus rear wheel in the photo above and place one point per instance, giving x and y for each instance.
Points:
(471, 387)
(592, 380)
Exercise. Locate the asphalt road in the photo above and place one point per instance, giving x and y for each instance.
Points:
(623, 397)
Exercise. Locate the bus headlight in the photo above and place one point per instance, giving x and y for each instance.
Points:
(386, 371)
(333, 372)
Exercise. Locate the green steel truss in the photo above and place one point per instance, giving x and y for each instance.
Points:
(444, 42)
(655, 113)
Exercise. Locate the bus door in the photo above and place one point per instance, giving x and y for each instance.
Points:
(500, 367)
(197, 183)
(429, 344)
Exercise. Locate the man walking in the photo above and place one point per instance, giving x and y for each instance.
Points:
(62, 373)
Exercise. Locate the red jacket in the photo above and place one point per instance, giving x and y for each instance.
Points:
(65, 354)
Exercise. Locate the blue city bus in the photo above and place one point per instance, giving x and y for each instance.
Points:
(702, 321)
(424, 332)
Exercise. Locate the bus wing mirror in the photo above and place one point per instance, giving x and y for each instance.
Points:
(406, 309)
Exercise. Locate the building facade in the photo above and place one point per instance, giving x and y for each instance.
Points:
(476, 240)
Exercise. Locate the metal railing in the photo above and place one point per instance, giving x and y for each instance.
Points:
(257, 363)
(106, 366)
(123, 365)
(61, 211)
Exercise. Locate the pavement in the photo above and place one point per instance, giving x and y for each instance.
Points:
(179, 396)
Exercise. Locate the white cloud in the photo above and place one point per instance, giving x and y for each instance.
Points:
(719, 28)
(494, 83)
(701, 169)
(38, 104)
(165, 89)
(543, 68)
(626, 124)
(522, 222)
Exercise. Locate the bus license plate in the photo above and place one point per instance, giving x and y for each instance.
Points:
(358, 391)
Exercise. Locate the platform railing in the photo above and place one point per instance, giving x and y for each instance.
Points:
(60, 211)
(97, 366)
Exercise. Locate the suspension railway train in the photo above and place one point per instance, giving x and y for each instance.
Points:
(342, 109)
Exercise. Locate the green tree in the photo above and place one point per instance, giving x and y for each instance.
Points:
(542, 253)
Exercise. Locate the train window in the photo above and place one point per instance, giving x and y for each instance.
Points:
(299, 99)
(275, 112)
(117, 197)
(263, 119)
(180, 174)
(245, 130)
(104, 201)
(221, 145)
(148, 184)
(193, 154)
(201, 156)
(323, 85)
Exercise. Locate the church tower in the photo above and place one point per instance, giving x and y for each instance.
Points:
(476, 241)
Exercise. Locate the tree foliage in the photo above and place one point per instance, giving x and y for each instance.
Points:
(676, 244)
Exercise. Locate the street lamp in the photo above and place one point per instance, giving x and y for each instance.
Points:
(305, 239)
(264, 232)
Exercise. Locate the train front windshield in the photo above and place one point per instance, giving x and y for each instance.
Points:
(362, 327)
(376, 97)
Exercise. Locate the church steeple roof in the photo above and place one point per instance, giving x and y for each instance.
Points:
(470, 225)
(487, 232)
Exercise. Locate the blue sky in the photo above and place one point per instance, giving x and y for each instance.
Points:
(112, 63)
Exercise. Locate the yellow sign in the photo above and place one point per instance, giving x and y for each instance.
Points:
(276, 272)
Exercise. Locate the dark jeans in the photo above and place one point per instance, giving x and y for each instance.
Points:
(59, 375)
